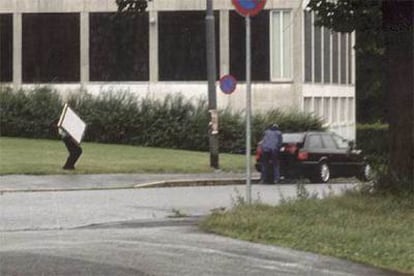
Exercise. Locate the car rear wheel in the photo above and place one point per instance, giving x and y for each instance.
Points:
(365, 173)
(322, 174)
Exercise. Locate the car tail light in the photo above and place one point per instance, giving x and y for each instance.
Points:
(303, 155)
(291, 148)
(258, 153)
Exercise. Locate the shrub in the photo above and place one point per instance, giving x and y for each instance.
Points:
(373, 140)
(121, 117)
(28, 113)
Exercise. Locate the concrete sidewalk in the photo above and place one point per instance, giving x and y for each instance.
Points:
(70, 182)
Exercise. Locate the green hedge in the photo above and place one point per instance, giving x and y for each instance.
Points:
(373, 140)
(28, 113)
(121, 117)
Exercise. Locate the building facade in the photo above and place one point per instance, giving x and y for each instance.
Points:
(72, 44)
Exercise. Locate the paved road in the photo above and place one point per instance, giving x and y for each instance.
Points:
(62, 210)
(131, 232)
(137, 249)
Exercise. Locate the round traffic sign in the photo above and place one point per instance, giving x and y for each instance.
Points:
(228, 84)
(248, 7)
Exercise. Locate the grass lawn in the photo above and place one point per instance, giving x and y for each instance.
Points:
(38, 156)
(376, 230)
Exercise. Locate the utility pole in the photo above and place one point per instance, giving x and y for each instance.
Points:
(211, 77)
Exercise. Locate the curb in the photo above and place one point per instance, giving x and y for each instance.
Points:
(194, 182)
(42, 190)
(156, 184)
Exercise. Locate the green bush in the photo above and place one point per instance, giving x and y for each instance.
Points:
(121, 117)
(28, 113)
(373, 140)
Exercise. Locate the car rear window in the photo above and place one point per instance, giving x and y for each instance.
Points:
(290, 138)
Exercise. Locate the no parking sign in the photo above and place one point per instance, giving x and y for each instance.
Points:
(249, 7)
(228, 84)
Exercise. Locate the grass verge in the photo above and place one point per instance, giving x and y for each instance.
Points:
(38, 156)
(372, 229)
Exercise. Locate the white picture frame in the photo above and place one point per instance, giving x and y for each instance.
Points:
(72, 124)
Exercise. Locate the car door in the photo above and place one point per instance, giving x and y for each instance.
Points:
(335, 155)
(345, 157)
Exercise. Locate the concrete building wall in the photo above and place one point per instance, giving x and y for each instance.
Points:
(293, 94)
(33, 6)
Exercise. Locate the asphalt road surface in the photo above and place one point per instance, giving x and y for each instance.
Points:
(132, 232)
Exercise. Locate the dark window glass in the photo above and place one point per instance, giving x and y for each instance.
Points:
(314, 142)
(344, 56)
(341, 142)
(182, 45)
(335, 56)
(6, 47)
(328, 142)
(350, 58)
(119, 47)
(318, 54)
(51, 47)
(326, 55)
(260, 62)
(308, 47)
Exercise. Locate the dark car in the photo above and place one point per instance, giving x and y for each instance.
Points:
(319, 156)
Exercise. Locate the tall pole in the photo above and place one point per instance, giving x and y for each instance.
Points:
(248, 113)
(211, 76)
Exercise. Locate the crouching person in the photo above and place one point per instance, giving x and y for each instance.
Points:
(271, 144)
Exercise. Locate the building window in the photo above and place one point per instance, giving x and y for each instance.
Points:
(51, 47)
(326, 109)
(281, 45)
(351, 109)
(260, 66)
(118, 47)
(307, 105)
(335, 57)
(308, 46)
(326, 55)
(335, 107)
(182, 45)
(343, 58)
(318, 107)
(6, 47)
(318, 54)
(350, 81)
(342, 108)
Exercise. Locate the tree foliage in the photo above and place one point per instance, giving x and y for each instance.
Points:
(347, 15)
(396, 27)
(132, 5)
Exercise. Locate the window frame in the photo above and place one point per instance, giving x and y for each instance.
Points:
(274, 78)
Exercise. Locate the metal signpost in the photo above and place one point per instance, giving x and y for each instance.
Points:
(248, 8)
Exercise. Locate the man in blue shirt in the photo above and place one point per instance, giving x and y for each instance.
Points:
(271, 144)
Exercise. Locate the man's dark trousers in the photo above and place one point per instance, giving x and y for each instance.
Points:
(270, 167)
(75, 152)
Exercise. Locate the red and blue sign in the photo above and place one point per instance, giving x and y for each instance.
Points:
(249, 7)
(228, 84)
